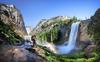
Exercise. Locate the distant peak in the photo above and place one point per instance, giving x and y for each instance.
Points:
(61, 17)
(11, 5)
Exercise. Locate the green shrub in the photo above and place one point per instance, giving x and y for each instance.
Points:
(81, 60)
(90, 60)
(8, 35)
(49, 36)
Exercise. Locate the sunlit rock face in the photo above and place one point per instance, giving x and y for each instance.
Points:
(10, 15)
(84, 38)
(84, 30)
(53, 29)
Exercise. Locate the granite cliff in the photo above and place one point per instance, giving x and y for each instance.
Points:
(10, 15)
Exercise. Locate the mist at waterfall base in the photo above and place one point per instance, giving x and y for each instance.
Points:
(64, 49)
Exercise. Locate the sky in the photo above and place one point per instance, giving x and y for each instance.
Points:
(35, 10)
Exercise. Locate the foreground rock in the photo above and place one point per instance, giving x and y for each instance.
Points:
(17, 54)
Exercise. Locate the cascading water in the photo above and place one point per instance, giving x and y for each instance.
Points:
(65, 49)
(27, 40)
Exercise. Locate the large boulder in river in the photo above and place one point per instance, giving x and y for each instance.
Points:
(10, 15)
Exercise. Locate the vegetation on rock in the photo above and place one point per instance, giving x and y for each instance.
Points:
(74, 57)
(10, 15)
(94, 26)
(53, 30)
(94, 32)
(50, 36)
(8, 35)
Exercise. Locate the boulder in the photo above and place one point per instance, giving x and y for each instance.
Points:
(17, 54)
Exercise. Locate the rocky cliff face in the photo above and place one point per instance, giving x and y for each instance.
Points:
(84, 38)
(83, 30)
(10, 15)
(59, 28)
(54, 29)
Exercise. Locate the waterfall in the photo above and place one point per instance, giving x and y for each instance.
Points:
(65, 49)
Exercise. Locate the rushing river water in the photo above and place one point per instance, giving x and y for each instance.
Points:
(27, 42)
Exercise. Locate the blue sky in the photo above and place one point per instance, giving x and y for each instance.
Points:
(35, 10)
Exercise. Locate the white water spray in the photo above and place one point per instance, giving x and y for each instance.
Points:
(65, 49)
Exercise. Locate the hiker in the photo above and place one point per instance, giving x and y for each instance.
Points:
(33, 40)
